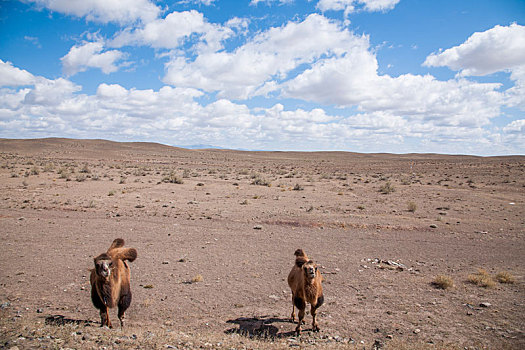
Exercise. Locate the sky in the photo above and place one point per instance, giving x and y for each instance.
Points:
(394, 76)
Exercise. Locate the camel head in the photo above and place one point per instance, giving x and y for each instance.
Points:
(310, 269)
(103, 265)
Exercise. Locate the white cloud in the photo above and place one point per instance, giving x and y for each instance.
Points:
(174, 115)
(13, 76)
(197, 2)
(272, 54)
(350, 6)
(516, 126)
(497, 49)
(501, 48)
(173, 30)
(90, 55)
(120, 11)
(352, 80)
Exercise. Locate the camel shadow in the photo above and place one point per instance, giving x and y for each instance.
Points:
(60, 320)
(259, 327)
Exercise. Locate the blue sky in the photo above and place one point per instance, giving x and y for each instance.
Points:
(396, 76)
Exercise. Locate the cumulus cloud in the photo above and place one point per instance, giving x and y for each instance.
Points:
(119, 11)
(273, 54)
(501, 48)
(13, 76)
(349, 6)
(498, 49)
(173, 30)
(353, 80)
(90, 55)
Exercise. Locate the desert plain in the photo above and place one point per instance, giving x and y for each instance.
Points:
(417, 251)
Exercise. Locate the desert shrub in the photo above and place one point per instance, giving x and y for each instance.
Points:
(122, 180)
(85, 169)
(481, 279)
(260, 182)
(361, 207)
(48, 167)
(63, 173)
(387, 188)
(298, 187)
(186, 173)
(411, 206)
(197, 278)
(443, 282)
(172, 178)
(504, 277)
(81, 177)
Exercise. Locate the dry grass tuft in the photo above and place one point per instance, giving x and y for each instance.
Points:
(411, 206)
(481, 279)
(387, 188)
(505, 277)
(197, 278)
(443, 282)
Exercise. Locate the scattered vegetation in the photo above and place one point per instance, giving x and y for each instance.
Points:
(173, 178)
(505, 277)
(443, 282)
(482, 279)
(387, 188)
(197, 278)
(298, 187)
(411, 207)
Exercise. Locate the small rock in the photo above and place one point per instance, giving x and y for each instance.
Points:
(417, 331)
(389, 336)
(39, 311)
(433, 226)
(485, 304)
(257, 227)
(165, 262)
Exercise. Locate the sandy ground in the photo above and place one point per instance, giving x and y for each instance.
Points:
(234, 223)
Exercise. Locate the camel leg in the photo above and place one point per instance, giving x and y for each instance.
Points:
(293, 309)
(301, 318)
(313, 311)
(123, 305)
(104, 317)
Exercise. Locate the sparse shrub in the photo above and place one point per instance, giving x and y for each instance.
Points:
(48, 167)
(111, 193)
(197, 278)
(481, 279)
(85, 169)
(186, 173)
(63, 173)
(261, 182)
(81, 177)
(387, 188)
(244, 202)
(411, 206)
(361, 207)
(298, 187)
(504, 277)
(173, 178)
(443, 282)
(122, 180)
(35, 170)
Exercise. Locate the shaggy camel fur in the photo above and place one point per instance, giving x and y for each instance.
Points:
(305, 282)
(110, 281)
